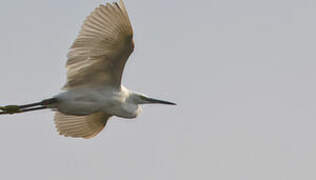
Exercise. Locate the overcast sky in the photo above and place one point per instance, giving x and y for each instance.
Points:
(241, 71)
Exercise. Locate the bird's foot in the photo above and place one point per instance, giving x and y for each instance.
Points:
(10, 109)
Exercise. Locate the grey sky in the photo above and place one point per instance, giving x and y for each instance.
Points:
(242, 73)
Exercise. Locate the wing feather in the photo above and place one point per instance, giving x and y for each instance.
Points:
(98, 55)
(80, 126)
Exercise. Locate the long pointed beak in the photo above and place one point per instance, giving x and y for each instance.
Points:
(157, 101)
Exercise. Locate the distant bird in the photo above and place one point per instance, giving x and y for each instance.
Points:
(93, 92)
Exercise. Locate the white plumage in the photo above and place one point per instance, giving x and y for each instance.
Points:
(93, 92)
(94, 69)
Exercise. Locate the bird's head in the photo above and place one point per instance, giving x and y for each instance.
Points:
(138, 98)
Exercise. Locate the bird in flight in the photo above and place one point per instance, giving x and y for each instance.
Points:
(93, 91)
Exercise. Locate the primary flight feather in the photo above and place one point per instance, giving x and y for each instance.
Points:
(102, 48)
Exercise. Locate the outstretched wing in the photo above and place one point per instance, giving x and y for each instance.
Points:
(98, 55)
(80, 126)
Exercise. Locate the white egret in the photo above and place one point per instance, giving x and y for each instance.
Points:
(93, 92)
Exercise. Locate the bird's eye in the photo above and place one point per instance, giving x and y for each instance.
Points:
(143, 97)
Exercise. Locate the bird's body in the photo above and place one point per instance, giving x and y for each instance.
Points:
(84, 101)
(93, 91)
